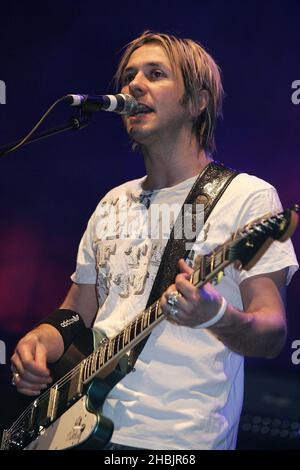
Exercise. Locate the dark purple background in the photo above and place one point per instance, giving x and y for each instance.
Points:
(49, 189)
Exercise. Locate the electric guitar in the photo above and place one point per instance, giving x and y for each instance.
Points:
(68, 414)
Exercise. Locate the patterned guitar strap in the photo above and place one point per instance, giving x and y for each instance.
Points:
(207, 190)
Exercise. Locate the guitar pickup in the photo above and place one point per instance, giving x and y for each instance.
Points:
(52, 404)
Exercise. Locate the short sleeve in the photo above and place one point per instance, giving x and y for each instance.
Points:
(279, 255)
(86, 259)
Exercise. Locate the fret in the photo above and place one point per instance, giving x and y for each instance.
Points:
(203, 267)
(105, 352)
(144, 320)
(212, 260)
(128, 330)
(125, 332)
(94, 362)
(83, 369)
(86, 368)
(123, 339)
(102, 354)
(118, 343)
(132, 330)
(114, 345)
(149, 315)
(140, 324)
(218, 258)
(192, 278)
(207, 267)
(126, 335)
(224, 251)
(109, 352)
(97, 354)
(156, 309)
(135, 327)
(89, 365)
(196, 277)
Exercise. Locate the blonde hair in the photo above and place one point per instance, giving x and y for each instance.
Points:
(199, 72)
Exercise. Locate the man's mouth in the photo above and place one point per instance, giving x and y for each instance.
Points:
(141, 109)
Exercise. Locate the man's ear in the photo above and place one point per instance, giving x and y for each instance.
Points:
(203, 104)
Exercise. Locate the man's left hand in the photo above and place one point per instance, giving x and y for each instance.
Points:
(192, 306)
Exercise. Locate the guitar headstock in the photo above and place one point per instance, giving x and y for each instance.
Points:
(254, 239)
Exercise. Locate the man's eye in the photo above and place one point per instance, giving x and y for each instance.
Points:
(157, 73)
(127, 79)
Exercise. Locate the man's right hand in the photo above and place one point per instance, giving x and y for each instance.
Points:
(29, 361)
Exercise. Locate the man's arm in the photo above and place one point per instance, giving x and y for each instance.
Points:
(261, 329)
(82, 298)
(258, 331)
(45, 344)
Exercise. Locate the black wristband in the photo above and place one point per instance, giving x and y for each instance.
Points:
(67, 322)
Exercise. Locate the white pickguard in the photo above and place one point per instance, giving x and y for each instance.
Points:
(71, 429)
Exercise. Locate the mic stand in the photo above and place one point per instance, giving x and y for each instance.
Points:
(75, 123)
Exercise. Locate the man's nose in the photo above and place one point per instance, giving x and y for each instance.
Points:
(137, 86)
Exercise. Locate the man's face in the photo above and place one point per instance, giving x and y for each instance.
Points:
(149, 77)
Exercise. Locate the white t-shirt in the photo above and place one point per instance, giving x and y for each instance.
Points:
(187, 388)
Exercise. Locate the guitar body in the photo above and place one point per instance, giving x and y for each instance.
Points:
(77, 428)
(82, 425)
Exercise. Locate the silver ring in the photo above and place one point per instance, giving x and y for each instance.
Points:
(14, 377)
(173, 298)
(173, 311)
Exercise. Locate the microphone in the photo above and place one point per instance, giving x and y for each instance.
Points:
(121, 103)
